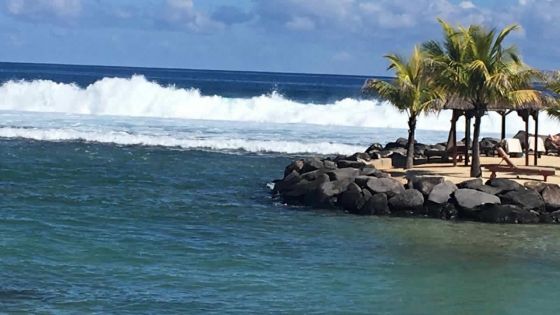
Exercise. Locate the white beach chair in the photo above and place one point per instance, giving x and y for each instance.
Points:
(513, 147)
(540, 145)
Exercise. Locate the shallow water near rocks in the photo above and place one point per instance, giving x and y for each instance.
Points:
(102, 228)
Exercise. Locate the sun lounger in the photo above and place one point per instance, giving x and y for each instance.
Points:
(540, 145)
(513, 147)
(510, 167)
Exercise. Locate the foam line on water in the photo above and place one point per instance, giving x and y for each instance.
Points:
(218, 144)
(138, 97)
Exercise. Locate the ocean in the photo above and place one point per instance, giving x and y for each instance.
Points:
(144, 191)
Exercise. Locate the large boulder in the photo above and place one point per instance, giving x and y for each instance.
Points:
(495, 213)
(490, 189)
(343, 173)
(358, 156)
(371, 171)
(304, 187)
(289, 180)
(352, 199)
(410, 200)
(326, 193)
(374, 148)
(471, 199)
(388, 186)
(377, 204)
(441, 193)
(471, 183)
(424, 184)
(311, 164)
(505, 184)
(329, 165)
(527, 199)
(350, 164)
(296, 165)
(551, 197)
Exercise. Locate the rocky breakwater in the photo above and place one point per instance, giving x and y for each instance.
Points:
(354, 186)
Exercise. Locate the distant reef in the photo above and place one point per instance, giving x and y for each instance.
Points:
(350, 183)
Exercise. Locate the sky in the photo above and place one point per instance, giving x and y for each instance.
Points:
(311, 36)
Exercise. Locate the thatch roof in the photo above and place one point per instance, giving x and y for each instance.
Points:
(462, 104)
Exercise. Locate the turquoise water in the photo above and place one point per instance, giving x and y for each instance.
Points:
(94, 228)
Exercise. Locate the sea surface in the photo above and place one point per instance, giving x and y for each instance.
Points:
(144, 191)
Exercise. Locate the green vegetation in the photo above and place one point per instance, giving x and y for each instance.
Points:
(413, 91)
(471, 65)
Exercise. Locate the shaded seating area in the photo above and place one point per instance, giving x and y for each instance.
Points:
(527, 112)
(510, 167)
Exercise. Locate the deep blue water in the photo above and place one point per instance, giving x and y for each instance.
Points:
(122, 200)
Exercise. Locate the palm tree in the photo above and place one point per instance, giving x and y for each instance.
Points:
(412, 92)
(554, 86)
(473, 65)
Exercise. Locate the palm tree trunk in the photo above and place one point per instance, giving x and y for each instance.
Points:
(410, 149)
(476, 170)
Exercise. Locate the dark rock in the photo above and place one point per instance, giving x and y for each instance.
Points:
(324, 195)
(294, 166)
(424, 184)
(400, 143)
(490, 189)
(375, 155)
(526, 199)
(538, 186)
(409, 200)
(551, 197)
(313, 174)
(370, 171)
(304, 186)
(471, 199)
(546, 217)
(444, 211)
(352, 199)
(385, 153)
(358, 156)
(496, 213)
(329, 165)
(375, 147)
(311, 164)
(505, 184)
(388, 186)
(441, 193)
(377, 204)
(555, 216)
(488, 145)
(343, 173)
(290, 180)
(350, 164)
(362, 181)
(471, 183)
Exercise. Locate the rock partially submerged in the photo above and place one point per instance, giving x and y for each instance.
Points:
(349, 183)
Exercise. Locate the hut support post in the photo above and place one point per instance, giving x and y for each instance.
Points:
(467, 137)
(503, 114)
(536, 118)
(526, 118)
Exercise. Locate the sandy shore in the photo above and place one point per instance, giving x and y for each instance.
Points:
(460, 172)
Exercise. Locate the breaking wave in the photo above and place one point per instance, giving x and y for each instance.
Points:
(126, 138)
(138, 97)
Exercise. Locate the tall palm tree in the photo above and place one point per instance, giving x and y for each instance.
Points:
(473, 65)
(554, 86)
(412, 92)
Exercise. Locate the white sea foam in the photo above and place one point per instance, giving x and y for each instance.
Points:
(126, 138)
(139, 97)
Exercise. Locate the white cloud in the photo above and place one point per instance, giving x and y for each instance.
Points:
(467, 5)
(38, 8)
(299, 23)
(183, 13)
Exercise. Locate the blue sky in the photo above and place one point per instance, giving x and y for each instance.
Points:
(320, 36)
